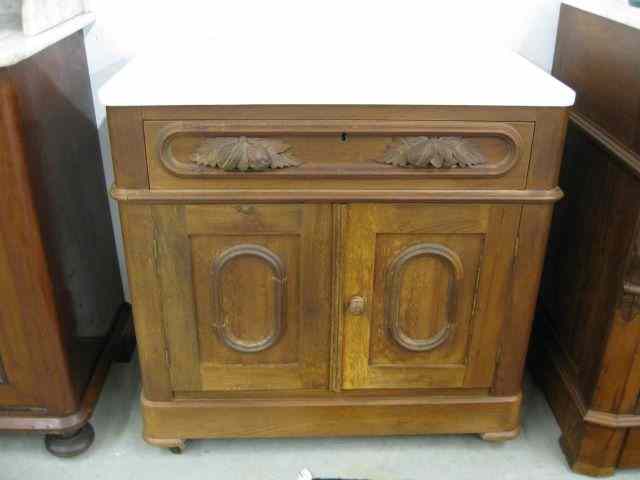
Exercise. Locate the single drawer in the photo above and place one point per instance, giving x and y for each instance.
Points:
(332, 154)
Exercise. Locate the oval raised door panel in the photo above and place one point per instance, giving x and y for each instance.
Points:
(249, 288)
(439, 283)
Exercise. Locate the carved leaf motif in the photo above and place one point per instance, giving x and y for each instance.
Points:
(243, 153)
(433, 152)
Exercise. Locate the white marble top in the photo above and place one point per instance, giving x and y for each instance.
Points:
(617, 10)
(40, 15)
(295, 73)
(15, 46)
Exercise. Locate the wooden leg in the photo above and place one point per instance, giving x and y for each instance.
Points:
(584, 466)
(70, 444)
(175, 445)
(177, 450)
(497, 437)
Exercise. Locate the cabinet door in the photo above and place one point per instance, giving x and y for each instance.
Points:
(246, 294)
(425, 291)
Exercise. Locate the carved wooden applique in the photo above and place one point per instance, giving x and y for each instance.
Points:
(221, 325)
(393, 290)
(433, 152)
(243, 153)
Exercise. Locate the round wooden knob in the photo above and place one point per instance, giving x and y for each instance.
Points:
(356, 305)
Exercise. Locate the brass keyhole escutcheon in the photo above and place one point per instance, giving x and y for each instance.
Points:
(356, 305)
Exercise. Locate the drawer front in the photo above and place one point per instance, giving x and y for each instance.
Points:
(331, 154)
(425, 291)
(245, 295)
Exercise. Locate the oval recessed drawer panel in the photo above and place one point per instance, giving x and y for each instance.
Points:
(321, 154)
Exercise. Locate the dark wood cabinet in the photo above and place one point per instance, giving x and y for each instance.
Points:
(586, 346)
(62, 314)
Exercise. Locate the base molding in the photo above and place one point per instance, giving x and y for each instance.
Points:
(592, 441)
(22, 421)
(611, 420)
(164, 422)
(552, 369)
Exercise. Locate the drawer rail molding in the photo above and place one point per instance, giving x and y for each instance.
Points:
(334, 195)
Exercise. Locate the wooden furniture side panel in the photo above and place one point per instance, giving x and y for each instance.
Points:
(591, 236)
(600, 60)
(628, 311)
(532, 235)
(126, 136)
(18, 375)
(617, 390)
(66, 173)
(548, 145)
(172, 258)
(618, 383)
(32, 349)
(435, 269)
(589, 449)
(141, 251)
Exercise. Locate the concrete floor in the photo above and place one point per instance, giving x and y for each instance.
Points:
(120, 453)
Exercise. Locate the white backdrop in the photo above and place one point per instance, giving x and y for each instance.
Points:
(125, 29)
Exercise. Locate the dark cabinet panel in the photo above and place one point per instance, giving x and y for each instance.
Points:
(587, 335)
(62, 314)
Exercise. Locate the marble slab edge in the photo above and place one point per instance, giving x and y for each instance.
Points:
(17, 47)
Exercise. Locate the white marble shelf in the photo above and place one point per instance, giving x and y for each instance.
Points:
(617, 10)
(15, 46)
(209, 73)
